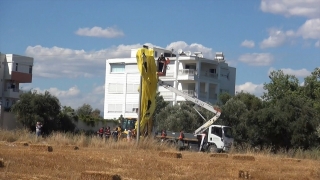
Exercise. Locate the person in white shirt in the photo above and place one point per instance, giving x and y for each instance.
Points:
(38, 129)
(129, 135)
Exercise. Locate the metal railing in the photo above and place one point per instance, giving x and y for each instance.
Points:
(187, 72)
(168, 75)
(189, 92)
(166, 95)
(210, 75)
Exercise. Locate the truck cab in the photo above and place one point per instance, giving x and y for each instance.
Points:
(219, 138)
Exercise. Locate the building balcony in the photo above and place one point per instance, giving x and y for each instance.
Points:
(169, 75)
(20, 77)
(189, 92)
(187, 74)
(209, 75)
(167, 95)
(12, 93)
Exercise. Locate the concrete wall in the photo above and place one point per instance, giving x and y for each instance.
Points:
(82, 126)
(10, 122)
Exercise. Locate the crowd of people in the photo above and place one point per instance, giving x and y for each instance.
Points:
(104, 132)
(115, 134)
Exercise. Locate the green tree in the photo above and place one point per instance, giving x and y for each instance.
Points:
(66, 119)
(86, 114)
(224, 97)
(34, 106)
(160, 105)
(281, 85)
(179, 117)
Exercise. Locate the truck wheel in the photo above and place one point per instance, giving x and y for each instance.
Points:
(213, 148)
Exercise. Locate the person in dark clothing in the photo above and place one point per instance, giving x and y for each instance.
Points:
(180, 141)
(161, 62)
(108, 133)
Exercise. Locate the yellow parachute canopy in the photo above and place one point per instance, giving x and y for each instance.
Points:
(148, 70)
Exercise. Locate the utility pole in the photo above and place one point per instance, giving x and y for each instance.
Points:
(139, 110)
(2, 66)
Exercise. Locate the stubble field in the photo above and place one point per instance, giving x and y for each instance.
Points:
(146, 161)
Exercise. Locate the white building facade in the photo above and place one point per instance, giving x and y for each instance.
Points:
(14, 70)
(188, 72)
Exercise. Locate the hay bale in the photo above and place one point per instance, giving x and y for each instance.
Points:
(219, 155)
(244, 157)
(41, 147)
(1, 163)
(88, 175)
(244, 174)
(70, 147)
(170, 154)
(290, 160)
(21, 143)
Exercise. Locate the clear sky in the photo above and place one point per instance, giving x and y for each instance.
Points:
(70, 40)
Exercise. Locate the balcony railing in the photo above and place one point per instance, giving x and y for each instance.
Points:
(12, 93)
(189, 92)
(187, 72)
(168, 75)
(209, 75)
(166, 95)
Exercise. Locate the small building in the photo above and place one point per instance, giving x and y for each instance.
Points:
(189, 72)
(14, 70)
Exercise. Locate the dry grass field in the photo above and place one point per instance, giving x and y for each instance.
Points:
(68, 157)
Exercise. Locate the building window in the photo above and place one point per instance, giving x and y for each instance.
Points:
(16, 66)
(132, 88)
(213, 71)
(132, 108)
(155, 54)
(7, 102)
(114, 88)
(114, 108)
(117, 68)
(30, 69)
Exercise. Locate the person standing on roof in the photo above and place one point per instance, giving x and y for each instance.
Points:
(161, 62)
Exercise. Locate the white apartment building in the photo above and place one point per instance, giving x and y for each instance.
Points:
(14, 70)
(188, 72)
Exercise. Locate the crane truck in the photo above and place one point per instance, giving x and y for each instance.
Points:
(208, 137)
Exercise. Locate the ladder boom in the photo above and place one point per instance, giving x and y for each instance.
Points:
(207, 106)
(192, 99)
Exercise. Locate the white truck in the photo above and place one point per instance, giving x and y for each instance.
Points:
(208, 137)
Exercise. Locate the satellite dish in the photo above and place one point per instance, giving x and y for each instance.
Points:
(180, 51)
(200, 55)
(188, 53)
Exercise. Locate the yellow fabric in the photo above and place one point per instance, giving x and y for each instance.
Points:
(148, 71)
